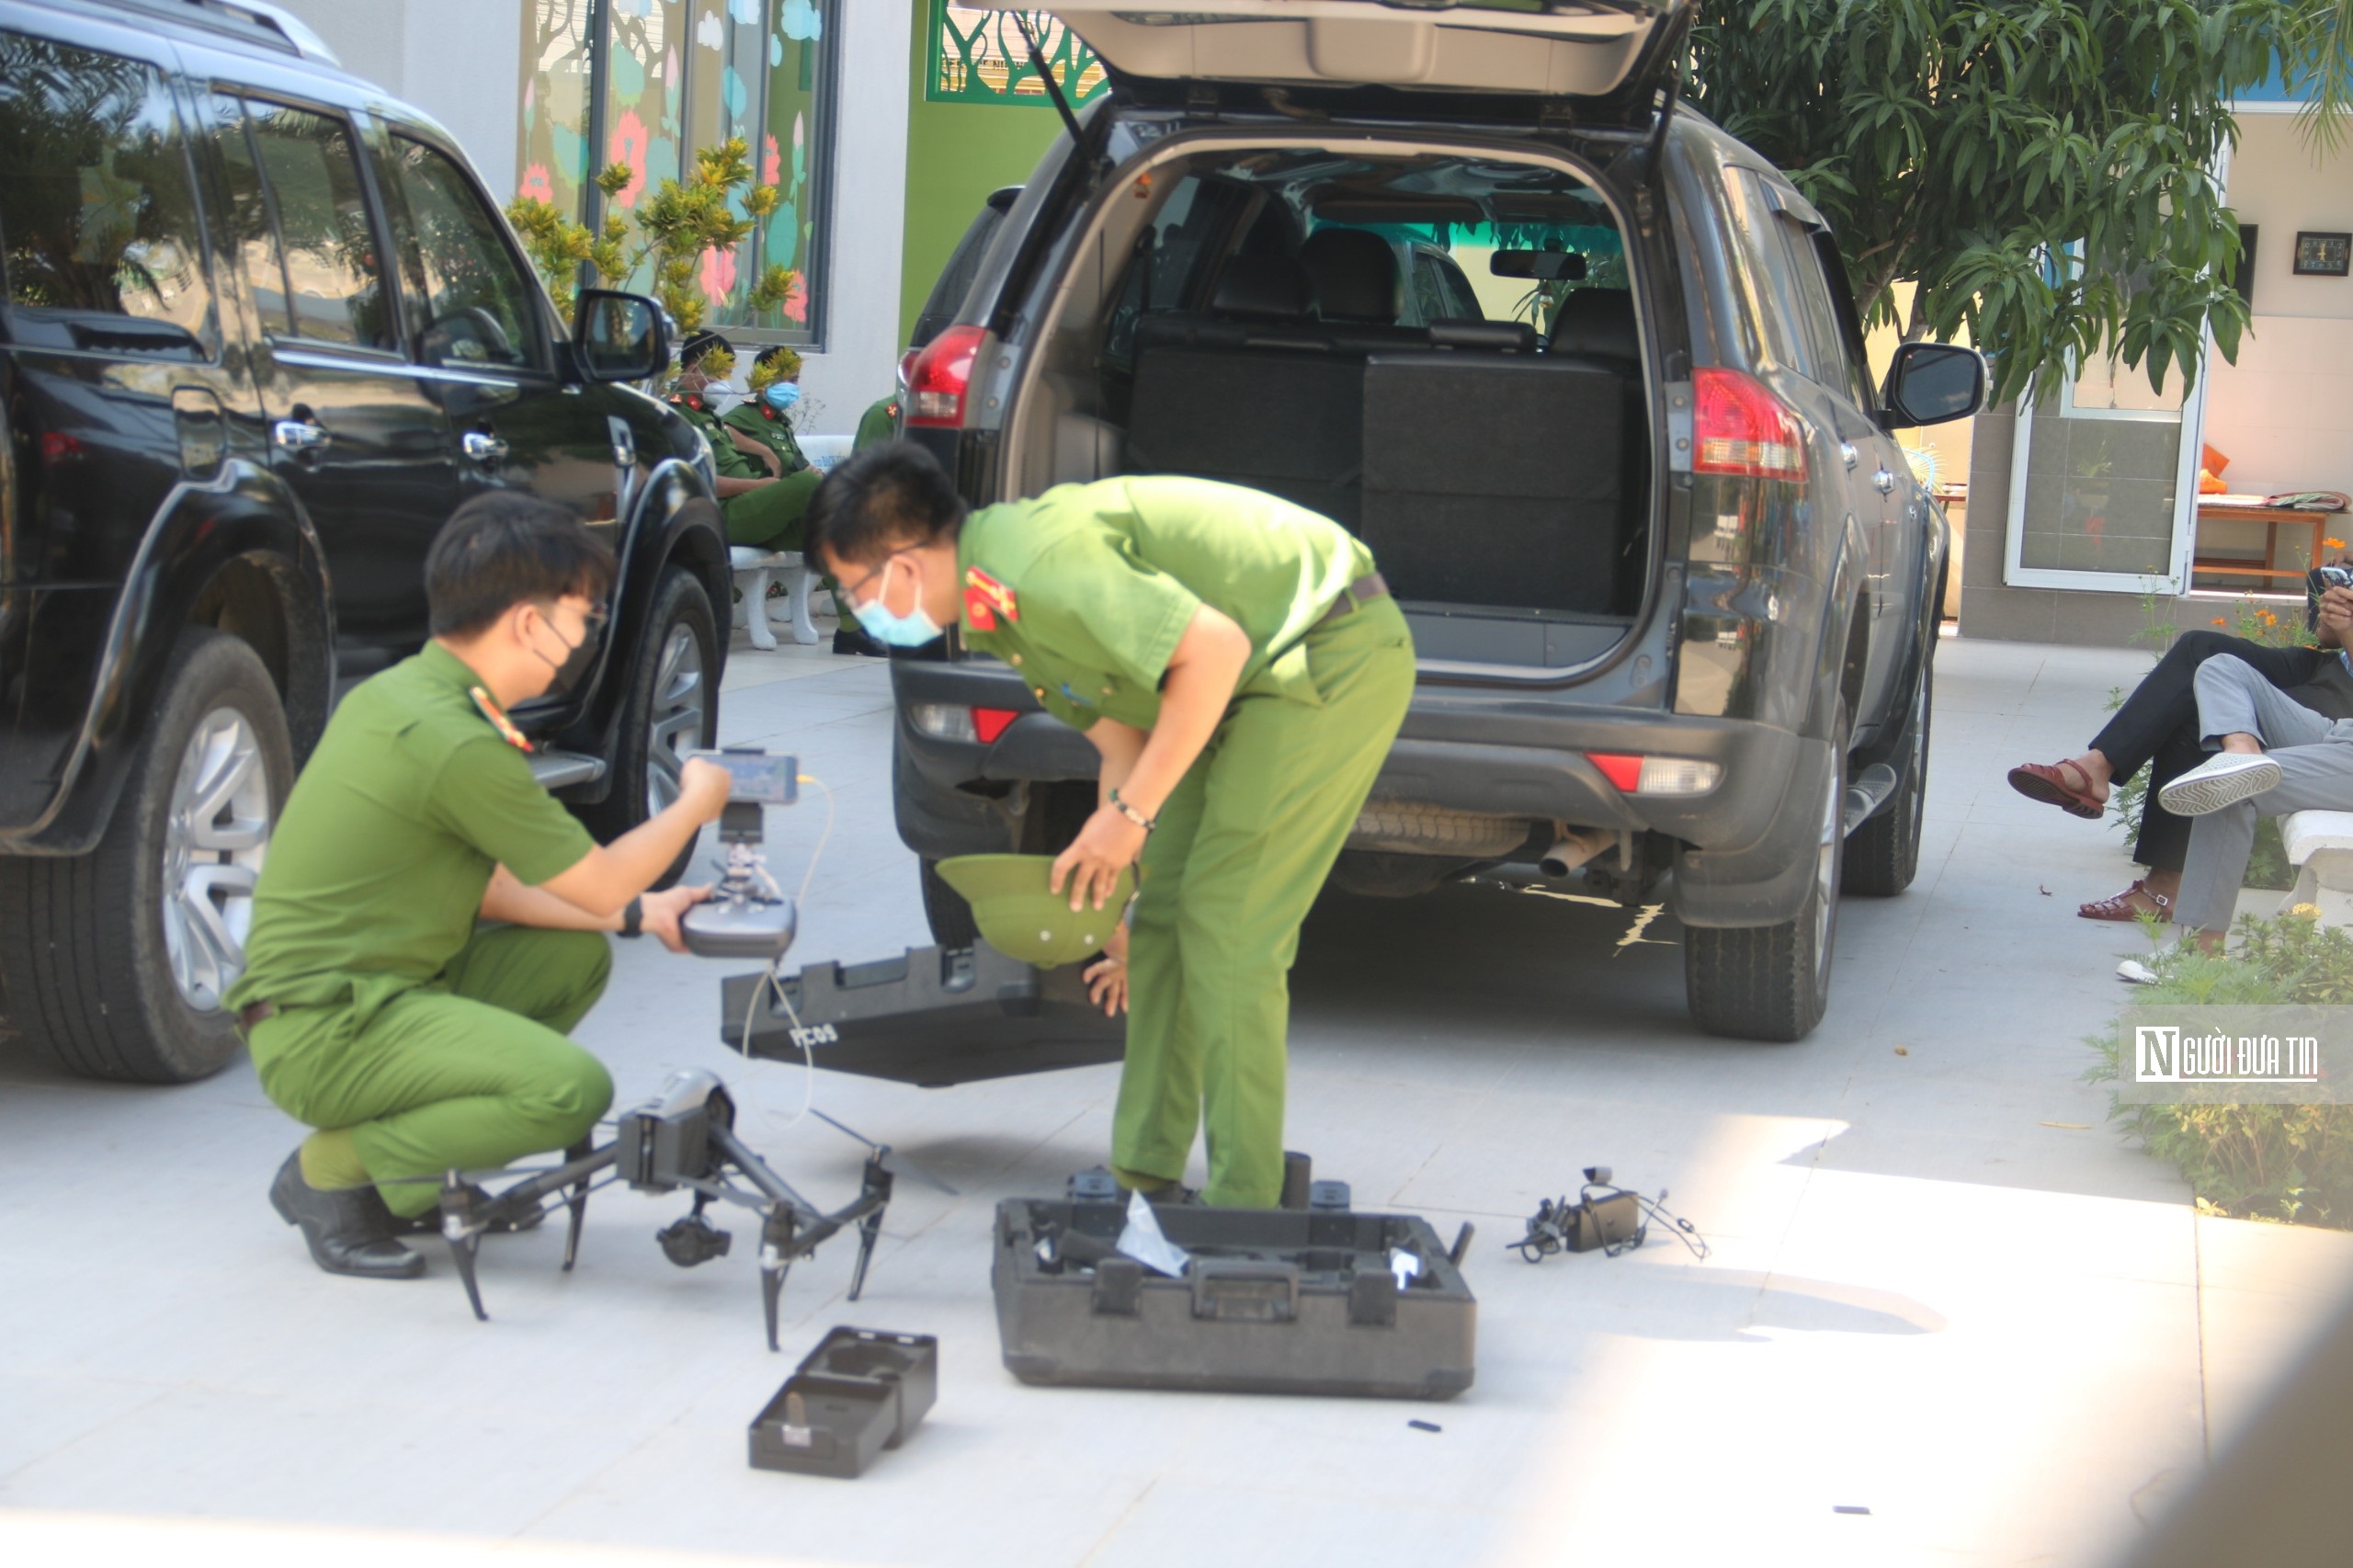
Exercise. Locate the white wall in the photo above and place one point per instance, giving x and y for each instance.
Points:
(461, 62)
(869, 218)
(2284, 413)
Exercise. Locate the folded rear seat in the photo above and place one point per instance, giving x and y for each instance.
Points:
(1495, 479)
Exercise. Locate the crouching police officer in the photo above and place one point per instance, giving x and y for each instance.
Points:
(379, 1009)
(760, 497)
(1242, 670)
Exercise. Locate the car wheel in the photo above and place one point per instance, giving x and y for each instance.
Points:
(117, 961)
(669, 706)
(949, 916)
(1883, 855)
(1772, 983)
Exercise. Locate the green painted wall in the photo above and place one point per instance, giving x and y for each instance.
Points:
(957, 154)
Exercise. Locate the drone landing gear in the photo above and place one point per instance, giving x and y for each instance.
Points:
(686, 1140)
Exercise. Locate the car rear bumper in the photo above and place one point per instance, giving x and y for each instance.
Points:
(1745, 847)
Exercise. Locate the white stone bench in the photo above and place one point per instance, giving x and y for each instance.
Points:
(2320, 845)
(754, 570)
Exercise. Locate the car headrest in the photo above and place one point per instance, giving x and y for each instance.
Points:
(1356, 276)
(1599, 322)
(1495, 336)
(1263, 286)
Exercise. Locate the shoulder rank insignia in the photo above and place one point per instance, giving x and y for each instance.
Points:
(499, 721)
(986, 599)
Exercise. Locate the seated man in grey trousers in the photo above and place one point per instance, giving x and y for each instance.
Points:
(2276, 757)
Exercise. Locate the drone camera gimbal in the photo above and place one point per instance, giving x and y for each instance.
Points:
(684, 1139)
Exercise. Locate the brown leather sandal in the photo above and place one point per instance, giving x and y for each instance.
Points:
(2042, 782)
(2124, 907)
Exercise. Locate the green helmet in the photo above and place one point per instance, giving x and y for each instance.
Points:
(1021, 918)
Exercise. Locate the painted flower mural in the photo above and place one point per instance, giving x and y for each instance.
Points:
(796, 304)
(536, 186)
(771, 161)
(719, 276)
(628, 146)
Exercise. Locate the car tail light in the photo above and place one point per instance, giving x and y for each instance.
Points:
(1620, 769)
(942, 375)
(941, 720)
(1744, 431)
(1678, 776)
(988, 723)
(1635, 775)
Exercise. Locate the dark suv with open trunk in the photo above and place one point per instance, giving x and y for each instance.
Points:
(262, 332)
(1586, 374)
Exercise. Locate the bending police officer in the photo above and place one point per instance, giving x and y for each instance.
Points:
(380, 1008)
(1241, 670)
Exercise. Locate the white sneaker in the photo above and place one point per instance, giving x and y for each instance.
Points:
(2132, 972)
(2223, 779)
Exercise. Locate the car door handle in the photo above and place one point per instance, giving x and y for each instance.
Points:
(483, 447)
(300, 434)
(1883, 481)
(1847, 450)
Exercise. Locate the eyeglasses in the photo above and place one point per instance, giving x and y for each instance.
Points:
(850, 589)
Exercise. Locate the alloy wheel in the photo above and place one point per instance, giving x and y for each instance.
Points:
(214, 838)
(677, 723)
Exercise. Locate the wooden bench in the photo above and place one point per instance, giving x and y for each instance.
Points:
(2320, 845)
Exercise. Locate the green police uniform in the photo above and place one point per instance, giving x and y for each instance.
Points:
(879, 423)
(433, 1044)
(765, 519)
(769, 427)
(1086, 591)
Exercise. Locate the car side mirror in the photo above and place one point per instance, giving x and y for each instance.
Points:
(1930, 383)
(1541, 265)
(621, 337)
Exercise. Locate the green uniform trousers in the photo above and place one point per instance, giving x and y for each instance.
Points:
(1242, 848)
(466, 1073)
(769, 517)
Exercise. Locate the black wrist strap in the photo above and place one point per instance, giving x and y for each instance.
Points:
(633, 918)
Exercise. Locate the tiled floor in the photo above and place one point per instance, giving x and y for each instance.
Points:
(1932, 1293)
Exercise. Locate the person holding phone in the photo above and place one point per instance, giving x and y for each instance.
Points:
(2158, 727)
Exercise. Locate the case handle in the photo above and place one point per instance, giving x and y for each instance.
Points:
(1245, 1290)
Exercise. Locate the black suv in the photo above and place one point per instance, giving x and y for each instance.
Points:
(1582, 370)
(263, 332)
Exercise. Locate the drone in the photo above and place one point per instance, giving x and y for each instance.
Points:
(684, 1139)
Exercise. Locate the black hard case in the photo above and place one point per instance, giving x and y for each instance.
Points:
(932, 1016)
(858, 1392)
(1275, 1301)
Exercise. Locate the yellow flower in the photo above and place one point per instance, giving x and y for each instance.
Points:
(2306, 911)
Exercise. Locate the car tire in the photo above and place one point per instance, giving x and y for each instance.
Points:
(1772, 983)
(669, 706)
(944, 908)
(116, 962)
(1883, 855)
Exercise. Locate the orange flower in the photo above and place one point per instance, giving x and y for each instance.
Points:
(2334, 543)
(2220, 621)
(2270, 618)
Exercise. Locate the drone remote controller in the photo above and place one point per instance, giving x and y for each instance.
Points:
(746, 915)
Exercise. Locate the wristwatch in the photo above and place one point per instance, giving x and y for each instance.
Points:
(633, 918)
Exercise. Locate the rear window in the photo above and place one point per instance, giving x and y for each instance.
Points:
(98, 219)
(955, 279)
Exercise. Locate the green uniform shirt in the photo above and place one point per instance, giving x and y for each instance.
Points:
(879, 423)
(769, 427)
(376, 873)
(1086, 589)
(731, 461)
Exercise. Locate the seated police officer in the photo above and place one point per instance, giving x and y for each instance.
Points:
(761, 499)
(379, 1007)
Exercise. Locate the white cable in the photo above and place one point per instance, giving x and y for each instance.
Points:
(770, 980)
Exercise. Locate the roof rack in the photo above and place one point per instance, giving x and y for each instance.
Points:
(252, 21)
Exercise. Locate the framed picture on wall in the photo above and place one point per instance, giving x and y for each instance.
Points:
(2323, 255)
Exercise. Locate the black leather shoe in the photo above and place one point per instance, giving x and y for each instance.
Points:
(851, 637)
(349, 1231)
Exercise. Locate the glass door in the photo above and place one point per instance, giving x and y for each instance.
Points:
(2103, 485)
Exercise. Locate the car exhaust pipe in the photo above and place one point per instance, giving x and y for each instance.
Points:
(1571, 847)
